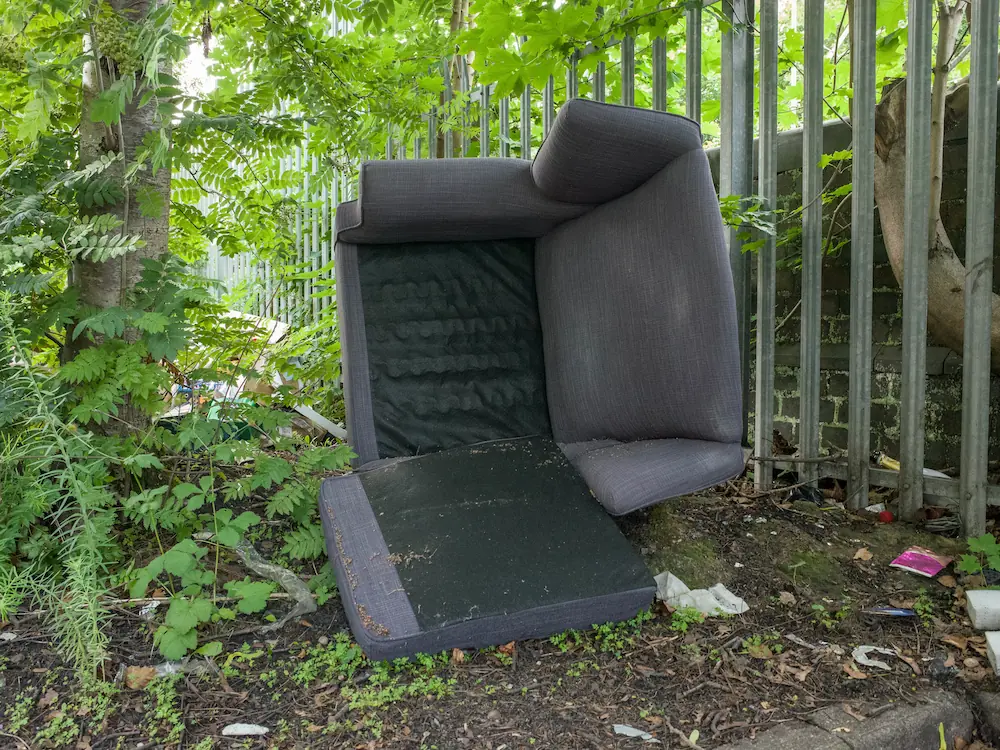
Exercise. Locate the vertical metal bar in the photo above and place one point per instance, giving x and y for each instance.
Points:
(315, 262)
(979, 265)
(449, 139)
(862, 253)
(418, 147)
(401, 150)
(505, 127)
(526, 123)
(467, 106)
(389, 145)
(600, 82)
(739, 97)
(572, 79)
(660, 74)
(294, 295)
(726, 105)
(628, 71)
(484, 121)
(548, 106)
(306, 254)
(692, 83)
(327, 254)
(812, 240)
(766, 258)
(432, 134)
(917, 211)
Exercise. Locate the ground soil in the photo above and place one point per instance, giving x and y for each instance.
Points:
(807, 574)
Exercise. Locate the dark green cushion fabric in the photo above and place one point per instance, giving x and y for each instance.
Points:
(454, 344)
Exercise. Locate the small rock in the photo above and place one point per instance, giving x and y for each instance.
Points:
(493, 715)
(244, 730)
(323, 640)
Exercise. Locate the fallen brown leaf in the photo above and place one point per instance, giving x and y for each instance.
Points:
(948, 581)
(960, 743)
(83, 743)
(759, 651)
(849, 710)
(50, 697)
(958, 641)
(457, 656)
(972, 663)
(863, 554)
(787, 598)
(136, 678)
(912, 662)
(853, 672)
(507, 648)
(315, 728)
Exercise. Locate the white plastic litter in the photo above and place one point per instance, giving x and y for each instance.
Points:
(8, 636)
(860, 655)
(628, 731)
(244, 730)
(712, 601)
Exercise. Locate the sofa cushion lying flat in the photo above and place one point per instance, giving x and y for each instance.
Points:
(476, 546)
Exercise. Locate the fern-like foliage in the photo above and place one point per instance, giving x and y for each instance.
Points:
(57, 511)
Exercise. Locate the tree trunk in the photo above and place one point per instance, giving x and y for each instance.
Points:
(946, 273)
(109, 284)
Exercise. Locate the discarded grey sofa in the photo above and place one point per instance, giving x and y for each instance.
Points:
(519, 339)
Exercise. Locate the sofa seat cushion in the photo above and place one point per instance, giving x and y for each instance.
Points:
(629, 476)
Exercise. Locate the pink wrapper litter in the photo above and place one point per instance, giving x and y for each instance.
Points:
(921, 561)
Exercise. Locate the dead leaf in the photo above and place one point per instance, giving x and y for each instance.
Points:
(759, 651)
(787, 598)
(315, 728)
(863, 554)
(457, 656)
(853, 672)
(912, 662)
(948, 581)
(136, 678)
(49, 698)
(972, 663)
(960, 743)
(507, 648)
(958, 641)
(83, 743)
(950, 661)
(852, 713)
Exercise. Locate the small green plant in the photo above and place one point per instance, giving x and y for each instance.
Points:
(614, 638)
(61, 730)
(762, 646)
(568, 640)
(984, 553)
(684, 618)
(164, 717)
(828, 618)
(19, 714)
(924, 607)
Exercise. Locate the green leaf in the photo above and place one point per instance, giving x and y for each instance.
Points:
(252, 595)
(151, 202)
(184, 490)
(142, 461)
(212, 648)
(969, 564)
(108, 106)
(152, 322)
(174, 644)
(186, 614)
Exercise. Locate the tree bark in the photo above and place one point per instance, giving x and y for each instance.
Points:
(110, 283)
(946, 272)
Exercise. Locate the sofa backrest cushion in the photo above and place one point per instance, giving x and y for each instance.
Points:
(638, 315)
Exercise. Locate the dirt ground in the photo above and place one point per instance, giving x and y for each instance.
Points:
(806, 572)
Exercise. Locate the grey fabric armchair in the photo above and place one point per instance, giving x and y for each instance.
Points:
(493, 309)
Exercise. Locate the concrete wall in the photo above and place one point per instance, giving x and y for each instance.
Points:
(944, 367)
